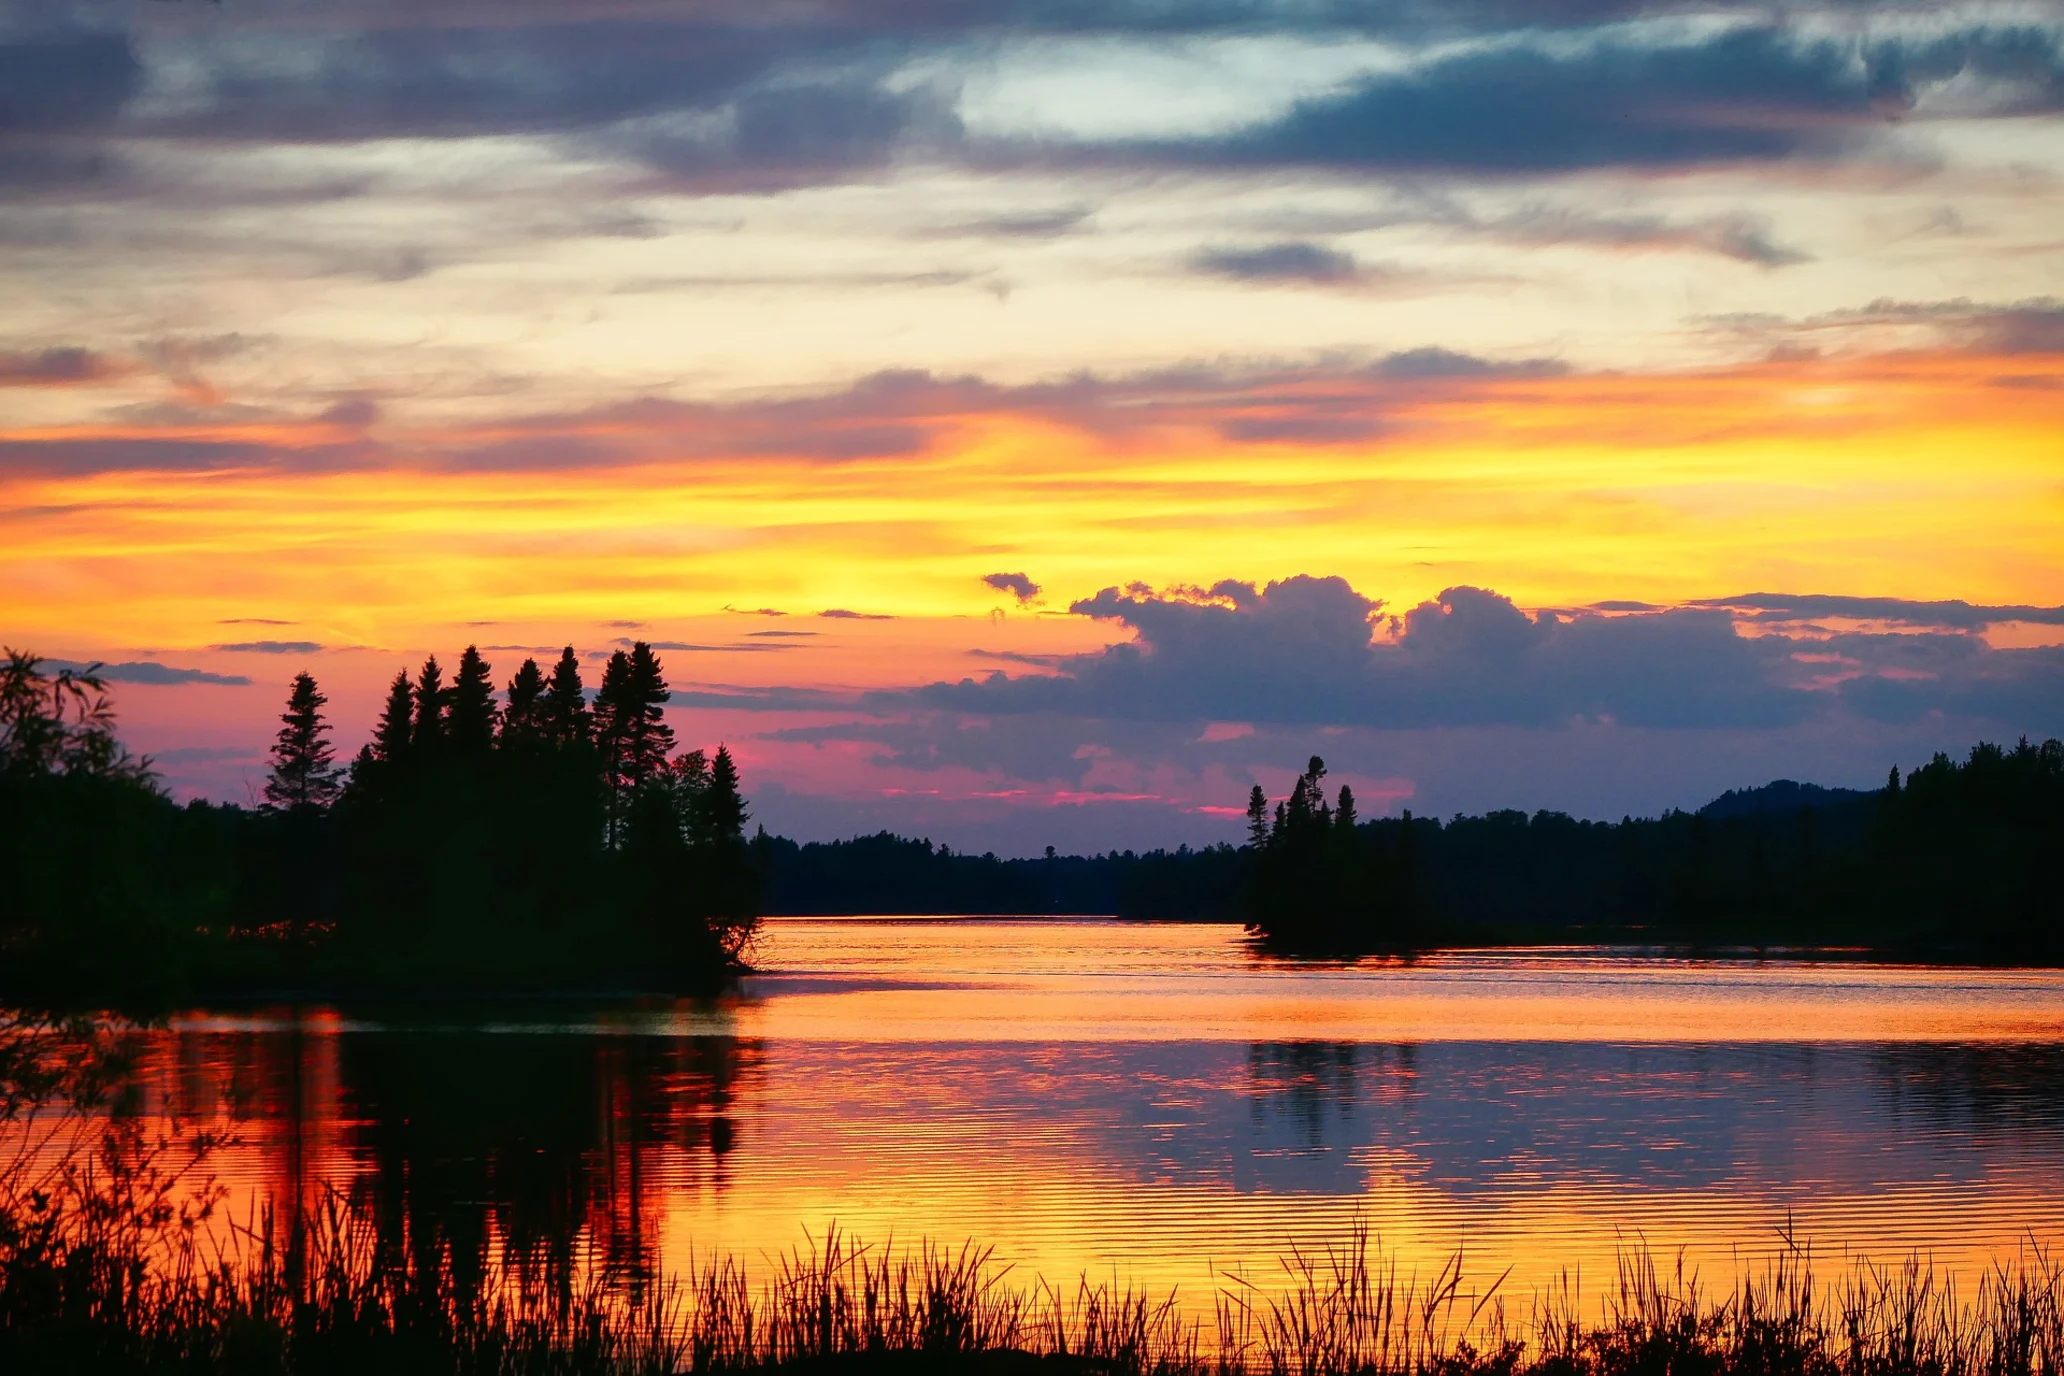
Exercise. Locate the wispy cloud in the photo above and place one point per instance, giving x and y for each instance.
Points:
(270, 647)
(153, 674)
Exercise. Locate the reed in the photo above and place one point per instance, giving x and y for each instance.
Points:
(100, 1271)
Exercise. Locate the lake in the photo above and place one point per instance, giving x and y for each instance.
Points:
(1155, 1103)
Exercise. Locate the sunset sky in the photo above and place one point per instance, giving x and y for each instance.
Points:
(1027, 422)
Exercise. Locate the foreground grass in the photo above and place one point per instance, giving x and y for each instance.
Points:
(100, 1271)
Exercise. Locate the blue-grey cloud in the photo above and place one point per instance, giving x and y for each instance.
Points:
(1763, 93)
(715, 97)
(1952, 614)
(1435, 362)
(843, 614)
(1017, 585)
(152, 673)
(54, 367)
(1307, 650)
(1293, 261)
(689, 647)
(270, 647)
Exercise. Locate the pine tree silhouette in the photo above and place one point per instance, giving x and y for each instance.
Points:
(304, 774)
(470, 713)
(566, 718)
(432, 700)
(395, 735)
(649, 741)
(523, 718)
(723, 804)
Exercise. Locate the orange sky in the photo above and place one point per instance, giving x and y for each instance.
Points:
(1922, 475)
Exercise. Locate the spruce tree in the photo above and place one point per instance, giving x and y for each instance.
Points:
(649, 741)
(304, 773)
(395, 734)
(432, 699)
(1257, 818)
(1344, 815)
(565, 710)
(723, 805)
(523, 718)
(470, 713)
(612, 721)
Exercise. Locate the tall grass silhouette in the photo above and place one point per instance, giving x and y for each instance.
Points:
(101, 1272)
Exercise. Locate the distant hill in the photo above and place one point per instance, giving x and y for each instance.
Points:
(1780, 796)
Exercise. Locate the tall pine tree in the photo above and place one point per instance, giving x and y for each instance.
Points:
(432, 700)
(470, 715)
(304, 772)
(722, 804)
(565, 709)
(523, 718)
(396, 733)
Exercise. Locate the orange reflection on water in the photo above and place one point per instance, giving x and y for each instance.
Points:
(1154, 1104)
(1057, 980)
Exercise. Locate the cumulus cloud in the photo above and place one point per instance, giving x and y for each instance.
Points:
(1315, 651)
(1016, 584)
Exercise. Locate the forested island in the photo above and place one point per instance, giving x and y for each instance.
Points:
(550, 838)
(539, 839)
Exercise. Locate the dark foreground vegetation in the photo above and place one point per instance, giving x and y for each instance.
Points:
(114, 1259)
(531, 840)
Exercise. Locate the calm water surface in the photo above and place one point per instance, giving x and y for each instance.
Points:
(1153, 1102)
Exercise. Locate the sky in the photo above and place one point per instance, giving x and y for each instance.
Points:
(1032, 422)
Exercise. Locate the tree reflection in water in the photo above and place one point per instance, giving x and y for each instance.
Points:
(553, 1147)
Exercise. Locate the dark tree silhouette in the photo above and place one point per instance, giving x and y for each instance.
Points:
(304, 772)
(59, 723)
(470, 713)
(630, 727)
(723, 804)
(523, 717)
(566, 718)
(432, 702)
(395, 735)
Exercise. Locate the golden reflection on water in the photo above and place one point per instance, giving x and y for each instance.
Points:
(1150, 1102)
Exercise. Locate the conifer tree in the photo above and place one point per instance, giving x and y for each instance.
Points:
(630, 721)
(523, 716)
(648, 738)
(304, 774)
(612, 726)
(432, 699)
(1344, 815)
(565, 709)
(722, 803)
(470, 711)
(396, 731)
(1257, 818)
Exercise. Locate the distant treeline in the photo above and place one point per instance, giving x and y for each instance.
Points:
(1953, 859)
(531, 841)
